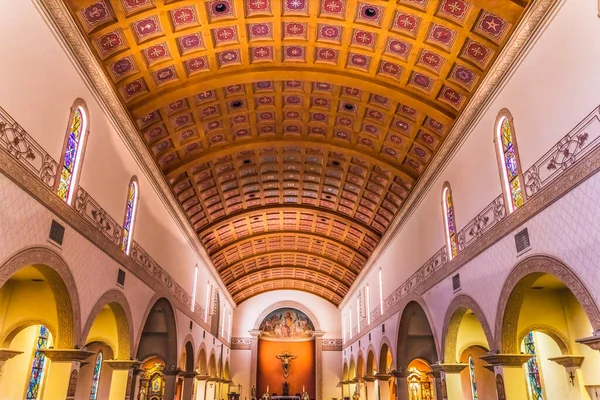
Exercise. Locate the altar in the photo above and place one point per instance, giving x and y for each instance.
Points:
(285, 397)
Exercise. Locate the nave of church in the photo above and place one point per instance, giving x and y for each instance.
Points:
(300, 200)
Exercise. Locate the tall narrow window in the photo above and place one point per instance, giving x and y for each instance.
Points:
(368, 299)
(230, 325)
(472, 375)
(207, 300)
(508, 157)
(344, 327)
(38, 363)
(193, 306)
(449, 221)
(533, 371)
(73, 152)
(350, 317)
(381, 290)
(96, 376)
(358, 315)
(130, 212)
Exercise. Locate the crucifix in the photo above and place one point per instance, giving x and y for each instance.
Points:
(286, 358)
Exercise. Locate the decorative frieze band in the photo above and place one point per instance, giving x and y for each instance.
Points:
(23, 148)
(581, 145)
(245, 343)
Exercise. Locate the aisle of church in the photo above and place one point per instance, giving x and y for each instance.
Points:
(299, 200)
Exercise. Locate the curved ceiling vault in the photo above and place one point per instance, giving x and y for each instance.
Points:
(292, 131)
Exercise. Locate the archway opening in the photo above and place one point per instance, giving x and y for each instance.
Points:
(386, 365)
(420, 382)
(32, 320)
(152, 379)
(415, 337)
(544, 318)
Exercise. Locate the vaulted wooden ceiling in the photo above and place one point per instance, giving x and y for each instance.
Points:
(292, 131)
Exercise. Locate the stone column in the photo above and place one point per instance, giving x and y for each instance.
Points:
(188, 385)
(510, 381)
(360, 387)
(211, 387)
(120, 385)
(383, 386)
(401, 384)
(5, 355)
(572, 366)
(370, 392)
(254, 360)
(201, 381)
(171, 376)
(135, 383)
(58, 375)
(318, 335)
(450, 373)
(438, 384)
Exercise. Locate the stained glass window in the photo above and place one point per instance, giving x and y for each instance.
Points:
(37, 366)
(96, 376)
(510, 172)
(450, 221)
(472, 375)
(132, 197)
(68, 175)
(533, 371)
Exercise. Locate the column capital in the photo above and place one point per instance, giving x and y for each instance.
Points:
(383, 377)
(398, 374)
(448, 368)
(254, 332)
(172, 372)
(6, 354)
(358, 379)
(506, 360)
(67, 355)
(318, 334)
(123, 364)
(592, 342)
(369, 378)
(568, 361)
(189, 374)
(202, 377)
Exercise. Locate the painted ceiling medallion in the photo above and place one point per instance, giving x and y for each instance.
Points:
(292, 131)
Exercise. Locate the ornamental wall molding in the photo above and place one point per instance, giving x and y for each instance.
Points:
(61, 22)
(31, 168)
(584, 163)
(524, 36)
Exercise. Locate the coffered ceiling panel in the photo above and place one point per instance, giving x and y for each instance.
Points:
(292, 131)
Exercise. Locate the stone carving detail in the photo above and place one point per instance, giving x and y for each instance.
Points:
(483, 222)
(85, 205)
(513, 294)
(241, 343)
(332, 344)
(574, 145)
(26, 150)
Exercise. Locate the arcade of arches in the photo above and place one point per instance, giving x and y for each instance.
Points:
(300, 200)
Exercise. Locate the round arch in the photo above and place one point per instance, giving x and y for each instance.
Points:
(561, 340)
(414, 303)
(352, 368)
(161, 300)
(202, 364)
(345, 371)
(523, 275)
(58, 275)
(457, 309)
(188, 349)
(384, 351)
(360, 365)
(212, 365)
(119, 305)
(286, 304)
(371, 361)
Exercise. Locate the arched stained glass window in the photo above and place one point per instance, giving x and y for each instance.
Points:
(449, 222)
(509, 160)
(74, 145)
(130, 211)
(472, 375)
(533, 371)
(38, 363)
(96, 376)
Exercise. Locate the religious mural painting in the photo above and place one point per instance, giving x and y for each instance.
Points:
(287, 323)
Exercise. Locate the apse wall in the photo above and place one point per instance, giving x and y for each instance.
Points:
(39, 85)
(548, 93)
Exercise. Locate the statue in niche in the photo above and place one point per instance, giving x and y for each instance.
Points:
(286, 358)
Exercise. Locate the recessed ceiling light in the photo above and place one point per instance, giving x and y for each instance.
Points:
(336, 163)
(370, 12)
(221, 7)
(236, 104)
(349, 107)
(246, 161)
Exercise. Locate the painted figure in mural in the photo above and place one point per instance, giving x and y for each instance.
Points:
(287, 323)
